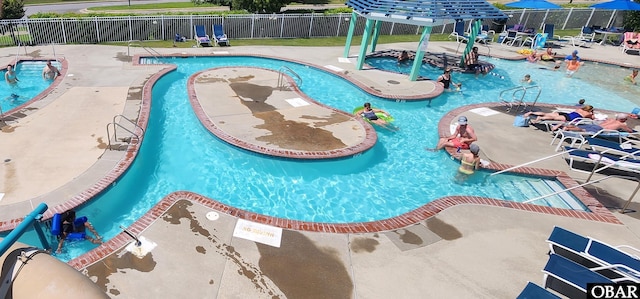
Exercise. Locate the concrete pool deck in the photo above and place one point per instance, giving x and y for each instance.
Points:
(448, 255)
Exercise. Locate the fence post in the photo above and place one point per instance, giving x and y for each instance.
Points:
(311, 24)
(97, 29)
(567, 19)
(162, 23)
(524, 11)
(590, 16)
(613, 14)
(282, 26)
(544, 20)
(130, 29)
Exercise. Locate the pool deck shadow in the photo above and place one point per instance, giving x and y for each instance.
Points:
(470, 249)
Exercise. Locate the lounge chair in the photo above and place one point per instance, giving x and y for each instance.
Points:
(219, 37)
(601, 162)
(606, 260)
(201, 37)
(628, 36)
(534, 291)
(629, 148)
(511, 38)
(459, 33)
(569, 278)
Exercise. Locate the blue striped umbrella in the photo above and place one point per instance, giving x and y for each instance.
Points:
(618, 5)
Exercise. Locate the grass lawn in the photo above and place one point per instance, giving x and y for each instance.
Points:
(315, 42)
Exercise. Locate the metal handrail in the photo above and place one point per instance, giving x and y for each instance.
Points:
(531, 162)
(281, 72)
(520, 101)
(149, 50)
(33, 219)
(116, 125)
(626, 205)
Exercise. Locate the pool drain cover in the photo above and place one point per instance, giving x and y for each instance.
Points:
(213, 216)
(393, 82)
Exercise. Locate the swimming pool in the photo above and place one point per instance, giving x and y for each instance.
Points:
(30, 85)
(588, 83)
(394, 177)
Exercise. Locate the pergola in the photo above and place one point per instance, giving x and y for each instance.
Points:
(427, 13)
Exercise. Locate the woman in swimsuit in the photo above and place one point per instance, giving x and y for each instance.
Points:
(370, 114)
(572, 66)
(10, 76)
(445, 80)
(470, 162)
(583, 112)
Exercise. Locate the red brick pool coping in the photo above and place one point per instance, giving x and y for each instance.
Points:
(599, 212)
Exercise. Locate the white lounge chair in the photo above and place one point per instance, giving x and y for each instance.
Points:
(219, 37)
(201, 37)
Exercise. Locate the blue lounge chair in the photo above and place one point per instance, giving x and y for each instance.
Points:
(534, 291)
(219, 37)
(459, 33)
(201, 37)
(627, 148)
(606, 260)
(569, 278)
(601, 162)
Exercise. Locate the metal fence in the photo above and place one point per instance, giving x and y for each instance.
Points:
(158, 27)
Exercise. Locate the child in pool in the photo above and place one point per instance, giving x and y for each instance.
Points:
(632, 78)
(470, 162)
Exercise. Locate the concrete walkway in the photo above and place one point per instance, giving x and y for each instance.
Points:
(468, 251)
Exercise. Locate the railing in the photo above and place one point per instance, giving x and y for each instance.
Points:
(116, 125)
(32, 219)
(282, 71)
(520, 101)
(91, 30)
(587, 181)
(149, 50)
(626, 205)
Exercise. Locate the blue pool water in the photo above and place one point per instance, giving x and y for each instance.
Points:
(30, 85)
(396, 176)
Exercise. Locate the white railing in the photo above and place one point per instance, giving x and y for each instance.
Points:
(93, 30)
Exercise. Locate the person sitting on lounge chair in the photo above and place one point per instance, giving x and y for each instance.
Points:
(617, 124)
(582, 112)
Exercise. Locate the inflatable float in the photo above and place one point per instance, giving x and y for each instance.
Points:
(380, 115)
(56, 227)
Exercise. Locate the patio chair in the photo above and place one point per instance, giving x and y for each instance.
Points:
(201, 37)
(595, 255)
(628, 148)
(604, 163)
(511, 38)
(459, 33)
(625, 45)
(534, 291)
(569, 278)
(219, 37)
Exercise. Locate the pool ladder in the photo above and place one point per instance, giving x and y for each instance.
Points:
(126, 140)
(281, 80)
(517, 97)
(149, 50)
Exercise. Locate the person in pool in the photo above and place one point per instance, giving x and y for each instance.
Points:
(71, 225)
(632, 78)
(470, 161)
(527, 79)
(462, 137)
(370, 114)
(403, 57)
(446, 81)
(50, 72)
(572, 66)
(10, 76)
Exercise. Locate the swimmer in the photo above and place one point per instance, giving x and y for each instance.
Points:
(572, 66)
(632, 78)
(527, 79)
(50, 72)
(10, 76)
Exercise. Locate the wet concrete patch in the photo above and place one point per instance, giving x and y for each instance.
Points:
(301, 269)
(359, 245)
(115, 263)
(412, 237)
(443, 229)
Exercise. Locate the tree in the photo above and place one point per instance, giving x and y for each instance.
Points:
(632, 20)
(12, 9)
(254, 6)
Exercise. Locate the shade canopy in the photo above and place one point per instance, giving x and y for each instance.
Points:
(425, 12)
(618, 5)
(534, 4)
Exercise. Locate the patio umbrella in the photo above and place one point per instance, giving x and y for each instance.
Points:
(534, 4)
(618, 5)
